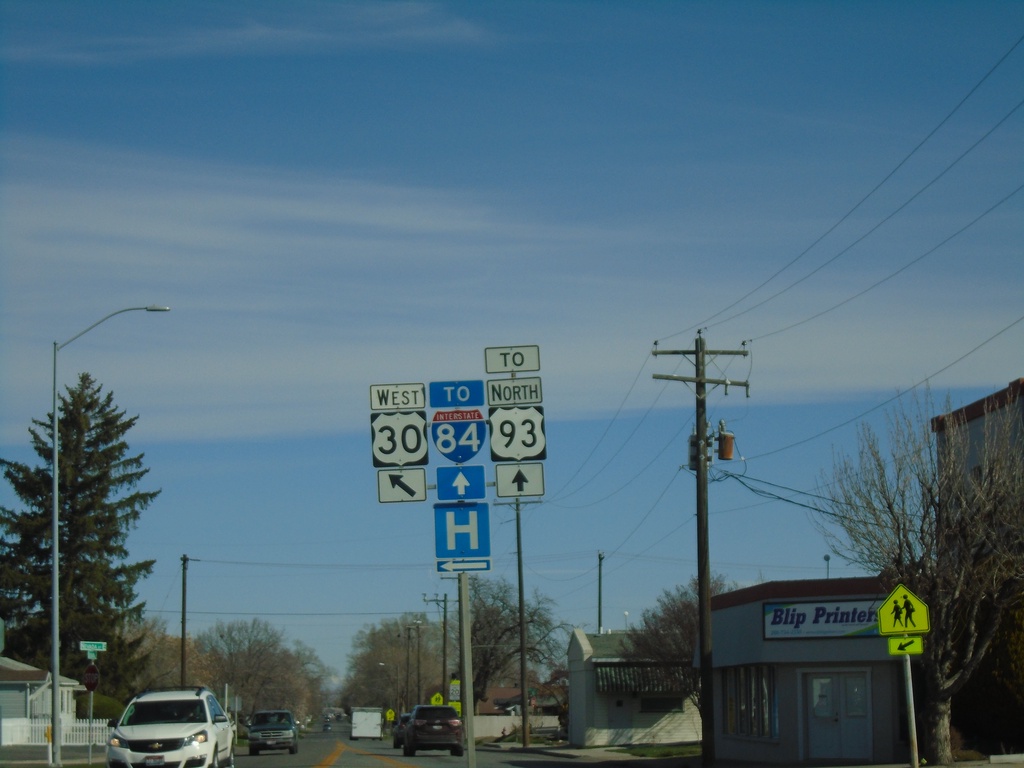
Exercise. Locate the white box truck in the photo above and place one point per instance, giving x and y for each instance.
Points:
(367, 723)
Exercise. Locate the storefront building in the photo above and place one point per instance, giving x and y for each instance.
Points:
(802, 675)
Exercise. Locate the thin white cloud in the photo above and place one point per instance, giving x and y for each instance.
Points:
(230, 29)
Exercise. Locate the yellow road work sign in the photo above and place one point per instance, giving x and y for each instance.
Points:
(903, 613)
(906, 646)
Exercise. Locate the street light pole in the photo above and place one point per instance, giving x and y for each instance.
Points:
(55, 708)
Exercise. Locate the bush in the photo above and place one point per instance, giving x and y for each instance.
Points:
(104, 708)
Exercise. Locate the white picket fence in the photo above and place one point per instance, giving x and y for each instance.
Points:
(35, 731)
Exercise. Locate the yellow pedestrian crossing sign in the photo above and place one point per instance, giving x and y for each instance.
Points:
(903, 613)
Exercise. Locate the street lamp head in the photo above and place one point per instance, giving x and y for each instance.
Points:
(157, 308)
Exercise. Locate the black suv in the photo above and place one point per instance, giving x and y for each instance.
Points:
(432, 727)
(273, 729)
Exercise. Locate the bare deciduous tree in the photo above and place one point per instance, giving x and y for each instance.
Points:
(941, 510)
(668, 633)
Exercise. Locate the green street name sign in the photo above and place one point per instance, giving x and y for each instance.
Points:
(92, 645)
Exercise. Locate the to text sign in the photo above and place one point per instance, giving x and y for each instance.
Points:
(512, 359)
(462, 531)
(514, 391)
(396, 397)
(517, 434)
(456, 394)
(399, 438)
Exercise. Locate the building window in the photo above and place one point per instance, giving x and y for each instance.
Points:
(661, 704)
(749, 704)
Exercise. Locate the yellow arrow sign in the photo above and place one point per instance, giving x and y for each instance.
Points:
(906, 646)
(903, 613)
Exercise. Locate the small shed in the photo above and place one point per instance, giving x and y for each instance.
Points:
(614, 700)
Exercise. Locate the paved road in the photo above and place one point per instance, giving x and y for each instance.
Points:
(516, 756)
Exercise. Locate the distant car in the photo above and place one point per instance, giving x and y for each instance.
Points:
(327, 726)
(183, 726)
(398, 729)
(273, 729)
(432, 727)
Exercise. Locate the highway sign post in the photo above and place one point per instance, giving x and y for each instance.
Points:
(401, 435)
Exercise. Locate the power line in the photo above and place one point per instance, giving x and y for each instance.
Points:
(899, 271)
(844, 217)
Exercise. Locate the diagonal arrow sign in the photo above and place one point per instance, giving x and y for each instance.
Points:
(398, 481)
(906, 644)
(399, 485)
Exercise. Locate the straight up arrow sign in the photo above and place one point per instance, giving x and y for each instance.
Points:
(519, 479)
(464, 482)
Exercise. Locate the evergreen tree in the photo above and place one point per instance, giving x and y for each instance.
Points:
(99, 505)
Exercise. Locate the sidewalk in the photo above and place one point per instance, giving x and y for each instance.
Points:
(21, 754)
(613, 755)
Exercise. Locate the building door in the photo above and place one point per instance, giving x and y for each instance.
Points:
(838, 716)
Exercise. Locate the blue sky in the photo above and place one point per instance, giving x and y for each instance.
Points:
(332, 195)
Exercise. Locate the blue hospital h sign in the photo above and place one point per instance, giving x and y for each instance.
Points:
(462, 531)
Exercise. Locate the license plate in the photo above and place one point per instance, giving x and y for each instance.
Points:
(271, 741)
(155, 760)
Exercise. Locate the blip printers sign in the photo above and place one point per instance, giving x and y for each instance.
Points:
(836, 618)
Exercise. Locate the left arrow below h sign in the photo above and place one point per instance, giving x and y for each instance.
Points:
(401, 485)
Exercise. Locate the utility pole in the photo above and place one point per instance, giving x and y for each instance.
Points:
(600, 564)
(444, 640)
(523, 691)
(700, 381)
(184, 588)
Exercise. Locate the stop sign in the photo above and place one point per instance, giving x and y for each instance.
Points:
(91, 678)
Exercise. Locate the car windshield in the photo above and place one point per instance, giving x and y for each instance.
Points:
(175, 711)
(271, 718)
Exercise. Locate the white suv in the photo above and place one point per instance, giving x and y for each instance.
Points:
(185, 727)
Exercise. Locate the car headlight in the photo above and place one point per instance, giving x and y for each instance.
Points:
(196, 738)
(117, 740)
